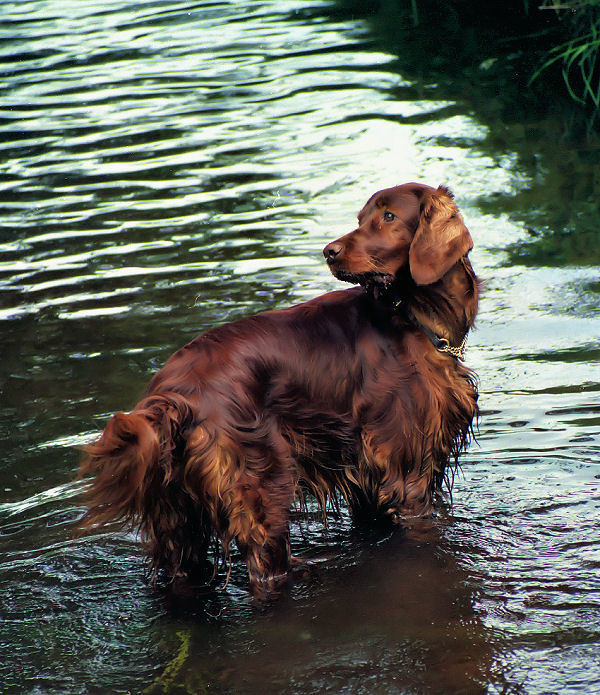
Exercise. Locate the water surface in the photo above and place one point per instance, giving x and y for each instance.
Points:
(168, 166)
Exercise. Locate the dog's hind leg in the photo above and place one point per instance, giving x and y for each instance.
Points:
(247, 490)
(260, 524)
(269, 563)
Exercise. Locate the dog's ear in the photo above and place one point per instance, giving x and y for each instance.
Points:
(441, 238)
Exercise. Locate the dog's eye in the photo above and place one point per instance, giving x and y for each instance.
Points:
(388, 216)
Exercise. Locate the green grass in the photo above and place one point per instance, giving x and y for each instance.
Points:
(578, 55)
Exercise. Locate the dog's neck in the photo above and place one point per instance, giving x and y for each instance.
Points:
(445, 309)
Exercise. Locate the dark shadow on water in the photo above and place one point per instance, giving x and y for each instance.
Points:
(385, 613)
(482, 57)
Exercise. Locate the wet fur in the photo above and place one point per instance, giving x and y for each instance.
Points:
(339, 397)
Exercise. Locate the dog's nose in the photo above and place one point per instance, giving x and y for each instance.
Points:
(332, 251)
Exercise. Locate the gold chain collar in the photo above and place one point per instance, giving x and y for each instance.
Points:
(458, 351)
(440, 344)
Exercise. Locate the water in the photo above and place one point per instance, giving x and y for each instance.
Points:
(168, 166)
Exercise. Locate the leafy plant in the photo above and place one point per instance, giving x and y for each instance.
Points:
(578, 55)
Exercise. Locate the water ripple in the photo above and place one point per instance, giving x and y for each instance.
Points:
(167, 166)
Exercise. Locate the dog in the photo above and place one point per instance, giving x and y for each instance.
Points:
(358, 396)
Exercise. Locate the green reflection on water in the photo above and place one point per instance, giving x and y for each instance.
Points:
(572, 356)
(482, 59)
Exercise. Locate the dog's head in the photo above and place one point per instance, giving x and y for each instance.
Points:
(412, 225)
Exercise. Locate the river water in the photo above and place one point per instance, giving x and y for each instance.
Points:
(168, 166)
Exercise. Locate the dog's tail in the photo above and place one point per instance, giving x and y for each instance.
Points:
(137, 482)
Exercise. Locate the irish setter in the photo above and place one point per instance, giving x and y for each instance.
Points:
(359, 395)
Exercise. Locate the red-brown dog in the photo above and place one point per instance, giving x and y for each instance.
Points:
(359, 393)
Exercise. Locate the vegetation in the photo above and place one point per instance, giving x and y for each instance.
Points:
(578, 55)
(531, 45)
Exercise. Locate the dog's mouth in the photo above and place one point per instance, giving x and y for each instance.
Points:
(368, 279)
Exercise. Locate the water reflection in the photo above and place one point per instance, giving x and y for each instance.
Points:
(535, 129)
(168, 167)
(427, 636)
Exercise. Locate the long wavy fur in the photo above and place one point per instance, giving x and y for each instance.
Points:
(342, 398)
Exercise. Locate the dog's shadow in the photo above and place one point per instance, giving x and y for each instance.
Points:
(395, 605)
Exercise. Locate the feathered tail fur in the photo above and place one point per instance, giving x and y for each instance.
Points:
(138, 483)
